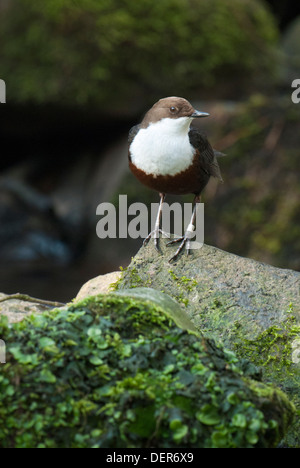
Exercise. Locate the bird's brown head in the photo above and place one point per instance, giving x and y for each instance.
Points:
(172, 108)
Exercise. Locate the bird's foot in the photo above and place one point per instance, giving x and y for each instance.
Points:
(155, 234)
(185, 241)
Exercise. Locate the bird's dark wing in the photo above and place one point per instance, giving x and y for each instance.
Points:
(208, 156)
(133, 132)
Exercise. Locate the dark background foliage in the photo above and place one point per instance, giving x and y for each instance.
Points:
(80, 74)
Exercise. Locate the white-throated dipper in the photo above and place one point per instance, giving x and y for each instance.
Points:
(168, 155)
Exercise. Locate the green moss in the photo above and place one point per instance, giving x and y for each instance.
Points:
(272, 349)
(115, 286)
(184, 286)
(187, 283)
(273, 352)
(115, 371)
(135, 280)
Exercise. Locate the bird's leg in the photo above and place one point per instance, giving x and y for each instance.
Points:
(156, 231)
(186, 239)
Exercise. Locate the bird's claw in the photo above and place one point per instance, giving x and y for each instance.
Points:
(184, 242)
(155, 234)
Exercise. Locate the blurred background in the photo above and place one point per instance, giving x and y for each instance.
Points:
(80, 73)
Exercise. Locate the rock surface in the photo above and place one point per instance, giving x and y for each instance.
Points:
(250, 307)
(98, 285)
(16, 309)
(211, 278)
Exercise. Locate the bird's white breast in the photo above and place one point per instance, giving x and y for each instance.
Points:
(163, 148)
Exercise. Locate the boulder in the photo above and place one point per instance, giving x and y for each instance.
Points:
(249, 307)
(98, 285)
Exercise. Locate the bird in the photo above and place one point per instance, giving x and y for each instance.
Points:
(167, 154)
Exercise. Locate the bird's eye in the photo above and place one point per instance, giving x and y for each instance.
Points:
(172, 109)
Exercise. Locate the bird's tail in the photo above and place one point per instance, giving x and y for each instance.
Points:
(218, 154)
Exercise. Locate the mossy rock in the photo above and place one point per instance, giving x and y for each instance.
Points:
(116, 371)
(249, 307)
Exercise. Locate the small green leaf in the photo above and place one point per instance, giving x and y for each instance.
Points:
(126, 350)
(70, 343)
(220, 439)
(169, 368)
(16, 352)
(46, 342)
(273, 424)
(208, 415)
(255, 425)
(96, 433)
(94, 332)
(239, 420)
(175, 424)
(10, 390)
(96, 361)
(47, 376)
(180, 433)
(232, 398)
(252, 438)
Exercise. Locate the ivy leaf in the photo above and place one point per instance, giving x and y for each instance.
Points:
(239, 420)
(208, 415)
(96, 361)
(47, 376)
(46, 342)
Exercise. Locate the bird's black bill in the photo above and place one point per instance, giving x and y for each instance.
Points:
(199, 114)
